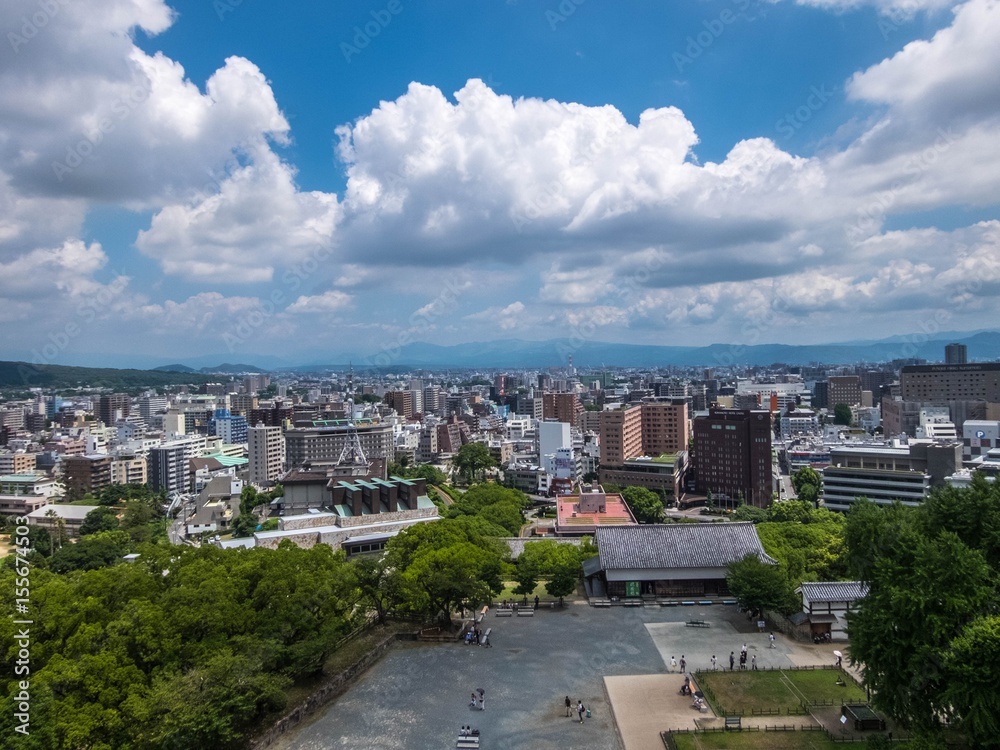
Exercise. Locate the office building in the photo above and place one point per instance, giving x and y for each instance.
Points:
(323, 442)
(732, 456)
(943, 383)
(956, 354)
(843, 389)
(885, 474)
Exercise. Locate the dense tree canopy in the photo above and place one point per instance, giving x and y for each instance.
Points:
(927, 634)
(500, 507)
(842, 414)
(807, 483)
(758, 585)
(183, 648)
(472, 460)
(646, 505)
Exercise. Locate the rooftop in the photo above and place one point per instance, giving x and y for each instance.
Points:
(834, 591)
(702, 545)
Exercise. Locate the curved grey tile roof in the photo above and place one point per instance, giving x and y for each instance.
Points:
(687, 545)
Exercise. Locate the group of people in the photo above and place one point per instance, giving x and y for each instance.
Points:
(474, 636)
(580, 708)
(467, 731)
(743, 659)
(478, 699)
(683, 664)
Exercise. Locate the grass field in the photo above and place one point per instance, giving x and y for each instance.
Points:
(756, 741)
(754, 691)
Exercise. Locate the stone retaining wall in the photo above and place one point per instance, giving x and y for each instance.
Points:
(332, 688)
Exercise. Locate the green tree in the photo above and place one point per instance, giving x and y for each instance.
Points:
(379, 584)
(564, 572)
(807, 483)
(842, 414)
(750, 513)
(758, 585)
(526, 575)
(101, 518)
(245, 525)
(472, 460)
(646, 505)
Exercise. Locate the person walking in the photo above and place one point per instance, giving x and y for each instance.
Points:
(771, 639)
(732, 660)
(537, 600)
(482, 700)
(475, 701)
(743, 661)
(673, 664)
(683, 664)
(714, 662)
(753, 663)
(744, 649)
(569, 704)
(580, 709)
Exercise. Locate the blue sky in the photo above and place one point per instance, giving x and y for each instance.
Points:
(329, 180)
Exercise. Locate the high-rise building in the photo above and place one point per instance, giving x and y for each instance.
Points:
(664, 426)
(401, 401)
(152, 405)
(552, 436)
(621, 435)
(940, 383)
(83, 474)
(323, 442)
(732, 456)
(956, 354)
(562, 407)
(266, 451)
(111, 408)
(231, 428)
(843, 389)
(170, 467)
(130, 470)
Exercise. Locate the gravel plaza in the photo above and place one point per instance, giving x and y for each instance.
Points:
(616, 660)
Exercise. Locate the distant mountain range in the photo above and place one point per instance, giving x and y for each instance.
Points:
(225, 368)
(515, 353)
(18, 375)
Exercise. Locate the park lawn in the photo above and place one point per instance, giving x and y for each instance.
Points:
(508, 592)
(783, 690)
(756, 741)
(820, 686)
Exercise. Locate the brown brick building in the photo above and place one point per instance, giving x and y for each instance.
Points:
(732, 456)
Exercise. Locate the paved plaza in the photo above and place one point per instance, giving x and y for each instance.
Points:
(615, 660)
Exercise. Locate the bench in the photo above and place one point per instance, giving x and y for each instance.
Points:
(697, 624)
(729, 601)
(484, 640)
(601, 603)
(526, 612)
(504, 612)
(667, 602)
(633, 603)
(733, 722)
(687, 604)
(467, 742)
(706, 603)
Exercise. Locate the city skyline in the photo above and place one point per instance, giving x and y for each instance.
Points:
(183, 180)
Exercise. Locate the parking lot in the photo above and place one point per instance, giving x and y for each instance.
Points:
(418, 695)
